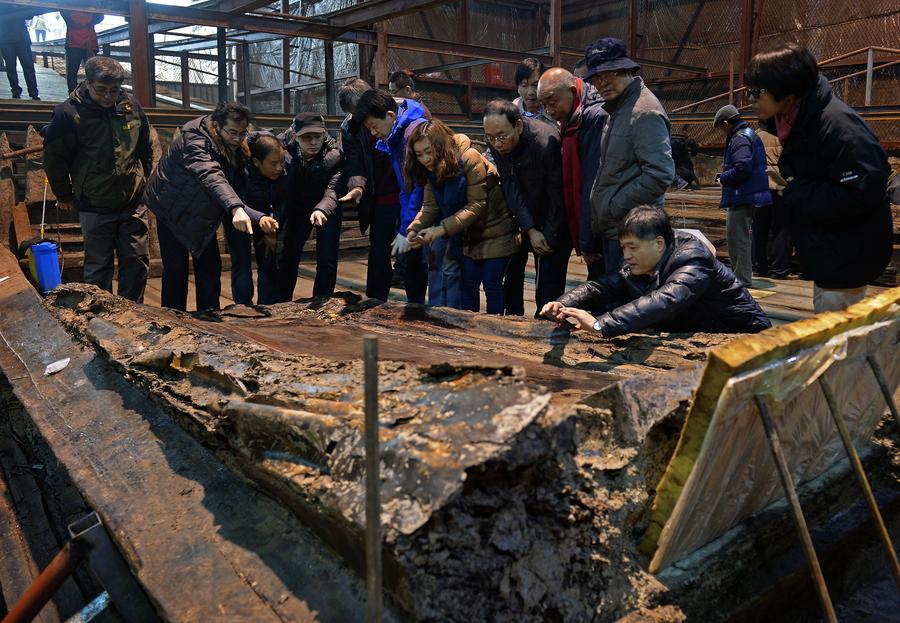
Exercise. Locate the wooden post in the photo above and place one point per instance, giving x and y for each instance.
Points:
(787, 484)
(373, 483)
(222, 59)
(731, 77)
(330, 91)
(185, 81)
(381, 56)
(286, 64)
(556, 31)
(151, 57)
(464, 37)
(632, 27)
(140, 59)
(746, 38)
(245, 80)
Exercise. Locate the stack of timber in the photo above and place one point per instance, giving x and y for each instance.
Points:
(699, 209)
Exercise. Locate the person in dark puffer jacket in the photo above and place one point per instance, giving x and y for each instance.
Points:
(190, 191)
(670, 282)
(836, 173)
(745, 187)
(315, 183)
(264, 188)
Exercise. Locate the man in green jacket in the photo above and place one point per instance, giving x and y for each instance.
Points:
(97, 156)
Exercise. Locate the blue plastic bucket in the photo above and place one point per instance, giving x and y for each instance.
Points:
(46, 266)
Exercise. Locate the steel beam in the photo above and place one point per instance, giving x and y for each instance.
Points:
(185, 81)
(556, 32)
(222, 57)
(140, 57)
(373, 11)
(330, 91)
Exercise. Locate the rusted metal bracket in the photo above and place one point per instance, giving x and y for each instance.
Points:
(90, 542)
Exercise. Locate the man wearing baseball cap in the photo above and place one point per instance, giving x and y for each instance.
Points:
(745, 187)
(636, 163)
(314, 179)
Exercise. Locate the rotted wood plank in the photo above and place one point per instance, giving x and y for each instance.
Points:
(7, 193)
(178, 516)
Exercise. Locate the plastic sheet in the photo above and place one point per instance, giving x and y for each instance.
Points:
(734, 474)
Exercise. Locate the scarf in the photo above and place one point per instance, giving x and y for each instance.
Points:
(785, 123)
(571, 164)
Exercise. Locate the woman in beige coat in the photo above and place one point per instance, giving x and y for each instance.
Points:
(462, 196)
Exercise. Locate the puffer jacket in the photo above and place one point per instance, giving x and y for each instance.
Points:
(315, 184)
(99, 157)
(690, 290)
(744, 179)
(636, 159)
(473, 205)
(395, 146)
(192, 187)
(837, 177)
(531, 177)
(359, 172)
(266, 196)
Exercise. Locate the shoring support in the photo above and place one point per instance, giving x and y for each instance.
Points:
(787, 483)
(885, 390)
(374, 605)
(861, 476)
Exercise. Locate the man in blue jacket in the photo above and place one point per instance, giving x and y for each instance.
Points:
(387, 120)
(745, 187)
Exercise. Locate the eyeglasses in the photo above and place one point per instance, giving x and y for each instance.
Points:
(755, 92)
(606, 76)
(105, 91)
(235, 133)
(497, 139)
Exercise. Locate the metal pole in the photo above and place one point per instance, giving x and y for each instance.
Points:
(285, 64)
(185, 81)
(247, 86)
(556, 31)
(151, 58)
(45, 585)
(731, 77)
(870, 64)
(374, 606)
(222, 60)
(632, 27)
(787, 483)
(140, 56)
(330, 91)
(885, 390)
(861, 476)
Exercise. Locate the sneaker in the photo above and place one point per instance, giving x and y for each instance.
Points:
(35, 97)
(682, 184)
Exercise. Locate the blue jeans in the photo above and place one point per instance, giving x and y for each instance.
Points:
(239, 245)
(488, 272)
(445, 272)
(328, 239)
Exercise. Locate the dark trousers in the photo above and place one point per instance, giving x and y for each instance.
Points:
(207, 272)
(382, 229)
(239, 247)
(488, 272)
(328, 239)
(123, 234)
(22, 52)
(550, 277)
(415, 276)
(771, 240)
(74, 59)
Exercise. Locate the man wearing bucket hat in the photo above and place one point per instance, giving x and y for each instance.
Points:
(636, 163)
(745, 187)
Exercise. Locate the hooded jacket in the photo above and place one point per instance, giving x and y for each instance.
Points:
(192, 187)
(471, 204)
(636, 159)
(586, 123)
(688, 291)
(394, 145)
(315, 184)
(836, 192)
(531, 177)
(100, 157)
(744, 179)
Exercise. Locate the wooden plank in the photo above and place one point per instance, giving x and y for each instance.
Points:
(34, 178)
(7, 193)
(21, 225)
(180, 518)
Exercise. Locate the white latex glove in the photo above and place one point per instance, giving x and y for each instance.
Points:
(399, 245)
(241, 221)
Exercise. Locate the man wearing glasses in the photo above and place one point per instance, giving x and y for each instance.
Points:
(635, 153)
(529, 161)
(97, 157)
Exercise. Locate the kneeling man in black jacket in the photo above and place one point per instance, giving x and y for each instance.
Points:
(670, 282)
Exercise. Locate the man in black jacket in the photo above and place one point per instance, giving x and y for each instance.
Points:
(314, 178)
(529, 160)
(836, 173)
(669, 282)
(15, 44)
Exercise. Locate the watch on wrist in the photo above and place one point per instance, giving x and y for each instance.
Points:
(597, 327)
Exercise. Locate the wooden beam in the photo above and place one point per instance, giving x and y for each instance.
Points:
(330, 91)
(222, 59)
(632, 27)
(381, 56)
(185, 81)
(374, 11)
(556, 31)
(140, 57)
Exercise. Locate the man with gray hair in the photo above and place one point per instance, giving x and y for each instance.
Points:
(97, 157)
